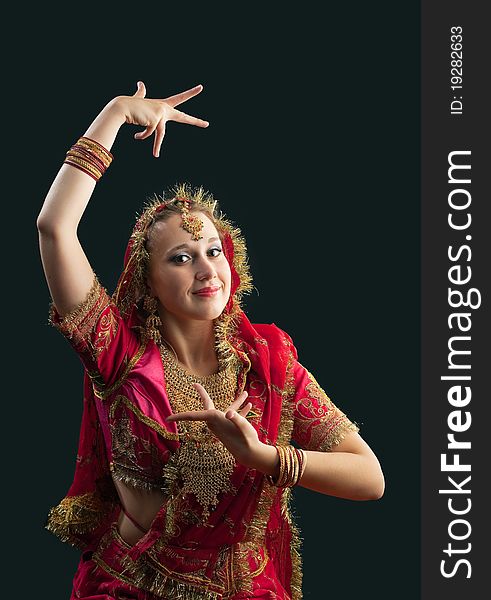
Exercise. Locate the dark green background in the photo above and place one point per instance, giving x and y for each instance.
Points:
(313, 150)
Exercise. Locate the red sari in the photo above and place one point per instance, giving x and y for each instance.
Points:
(248, 547)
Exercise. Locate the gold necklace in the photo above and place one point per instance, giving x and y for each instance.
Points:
(203, 463)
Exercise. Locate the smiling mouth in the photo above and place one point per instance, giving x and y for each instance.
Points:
(208, 291)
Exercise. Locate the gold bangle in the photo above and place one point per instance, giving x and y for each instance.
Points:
(90, 157)
(83, 165)
(291, 467)
(304, 463)
(97, 149)
(271, 480)
(83, 161)
(283, 467)
(296, 466)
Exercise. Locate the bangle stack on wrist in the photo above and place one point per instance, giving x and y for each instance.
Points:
(292, 466)
(90, 157)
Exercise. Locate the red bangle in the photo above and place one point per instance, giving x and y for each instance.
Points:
(73, 164)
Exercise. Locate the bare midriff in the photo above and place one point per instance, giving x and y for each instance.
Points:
(142, 505)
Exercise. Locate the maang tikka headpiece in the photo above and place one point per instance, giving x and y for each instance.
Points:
(190, 223)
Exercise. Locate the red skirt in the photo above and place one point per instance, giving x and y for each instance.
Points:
(96, 580)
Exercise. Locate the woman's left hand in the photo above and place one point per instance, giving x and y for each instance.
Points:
(230, 427)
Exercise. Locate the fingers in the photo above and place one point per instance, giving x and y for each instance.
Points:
(209, 413)
(238, 401)
(191, 415)
(159, 137)
(243, 412)
(197, 415)
(233, 411)
(207, 401)
(169, 114)
(141, 90)
(183, 96)
(147, 132)
(180, 117)
(160, 128)
(238, 417)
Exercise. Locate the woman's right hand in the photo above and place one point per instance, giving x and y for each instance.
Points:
(153, 114)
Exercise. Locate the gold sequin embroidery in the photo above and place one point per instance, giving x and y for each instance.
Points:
(79, 324)
(319, 424)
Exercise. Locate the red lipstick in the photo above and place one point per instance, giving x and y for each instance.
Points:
(207, 291)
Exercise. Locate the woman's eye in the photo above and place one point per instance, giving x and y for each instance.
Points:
(181, 258)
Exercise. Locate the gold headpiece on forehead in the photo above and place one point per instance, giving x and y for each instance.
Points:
(190, 223)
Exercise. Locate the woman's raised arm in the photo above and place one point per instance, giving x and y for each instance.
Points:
(68, 272)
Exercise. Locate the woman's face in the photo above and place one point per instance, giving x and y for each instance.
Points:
(190, 278)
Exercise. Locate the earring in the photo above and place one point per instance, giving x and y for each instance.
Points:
(152, 322)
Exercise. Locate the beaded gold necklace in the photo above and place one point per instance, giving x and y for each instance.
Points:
(203, 463)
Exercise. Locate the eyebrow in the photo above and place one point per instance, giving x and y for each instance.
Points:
(186, 245)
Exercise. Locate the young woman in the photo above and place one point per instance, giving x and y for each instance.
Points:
(196, 423)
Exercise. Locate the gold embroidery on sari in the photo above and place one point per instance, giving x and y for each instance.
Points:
(257, 395)
(123, 440)
(103, 392)
(130, 452)
(168, 435)
(149, 574)
(321, 424)
(242, 573)
(78, 324)
(233, 572)
(108, 328)
(124, 465)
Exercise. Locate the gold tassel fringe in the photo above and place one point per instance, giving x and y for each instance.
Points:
(77, 515)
